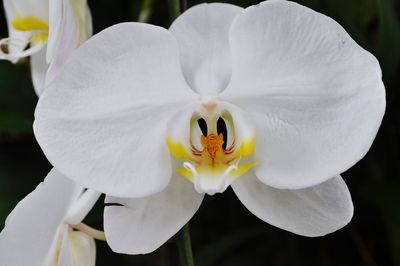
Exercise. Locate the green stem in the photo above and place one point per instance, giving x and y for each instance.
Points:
(174, 9)
(185, 247)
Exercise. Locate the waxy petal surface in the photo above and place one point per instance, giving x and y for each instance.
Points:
(38, 70)
(82, 206)
(203, 37)
(29, 236)
(72, 25)
(316, 97)
(62, 256)
(33, 8)
(77, 249)
(102, 121)
(56, 18)
(313, 211)
(144, 224)
(82, 248)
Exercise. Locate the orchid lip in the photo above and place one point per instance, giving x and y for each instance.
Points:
(25, 53)
(214, 149)
(218, 186)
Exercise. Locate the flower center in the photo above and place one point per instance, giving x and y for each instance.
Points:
(212, 147)
(39, 31)
(212, 156)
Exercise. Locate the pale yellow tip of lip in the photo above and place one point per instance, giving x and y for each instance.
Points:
(185, 173)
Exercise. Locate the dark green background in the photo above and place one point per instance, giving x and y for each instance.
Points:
(223, 231)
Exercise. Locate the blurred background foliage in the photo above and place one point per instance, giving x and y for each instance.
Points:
(224, 233)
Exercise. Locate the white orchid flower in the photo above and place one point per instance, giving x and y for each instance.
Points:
(45, 228)
(275, 100)
(50, 30)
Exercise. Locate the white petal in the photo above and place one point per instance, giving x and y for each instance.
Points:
(313, 211)
(55, 22)
(77, 249)
(62, 254)
(315, 96)
(82, 19)
(38, 70)
(10, 11)
(32, 227)
(88, 23)
(203, 37)
(82, 248)
(81, 206)
(64, 39)
(35, 8)
(102, 121)
(144, 224)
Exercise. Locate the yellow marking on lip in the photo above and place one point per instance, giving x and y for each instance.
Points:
(29, 23)
(39, 38)
(246, 147)
(178, 150)
(185, 173)
(213, 160)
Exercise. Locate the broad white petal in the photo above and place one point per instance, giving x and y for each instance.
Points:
(313, 211)
(82, 248)
(316, 97)
(203, 37)
(38, 70)
(142, 225)
(103, 120)
(32, 228)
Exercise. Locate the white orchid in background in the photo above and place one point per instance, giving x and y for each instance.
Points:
(45, 228)
(47, 31)
(275, 100)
